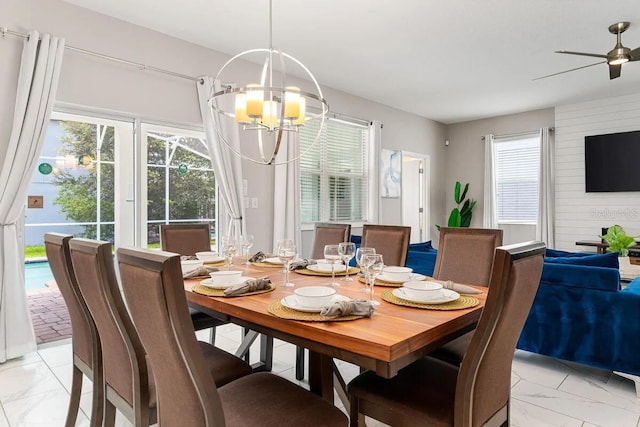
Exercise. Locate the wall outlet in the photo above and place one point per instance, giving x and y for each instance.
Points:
(254, 203)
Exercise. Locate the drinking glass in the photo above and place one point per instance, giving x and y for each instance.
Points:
(332, 255)
(283, 243)
(361, 252)
(374, 265)
(246, 241)
(286, 252)
(229, 249)
(347, 251)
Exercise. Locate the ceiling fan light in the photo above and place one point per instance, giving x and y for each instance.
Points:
(619, 60)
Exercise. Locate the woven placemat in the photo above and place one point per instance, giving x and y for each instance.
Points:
(306, 272)
(210, 292)
(267, 264)
(380, 282)
(279, 310)
(464, 301)
(216, 264)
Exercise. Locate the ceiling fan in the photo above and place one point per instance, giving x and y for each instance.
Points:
(614, 58)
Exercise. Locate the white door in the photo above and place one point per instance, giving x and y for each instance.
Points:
(415, 191)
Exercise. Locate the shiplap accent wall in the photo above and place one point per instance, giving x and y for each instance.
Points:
(581, 215)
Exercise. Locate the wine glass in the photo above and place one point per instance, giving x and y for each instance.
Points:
(360, 253)
(332, 255)
(347, 251)
(374, 265)
(246, 241)
(229, 249)
(283, 242)
(286, 252)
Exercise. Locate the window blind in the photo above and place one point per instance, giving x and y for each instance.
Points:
(517, 172)
(333, 172)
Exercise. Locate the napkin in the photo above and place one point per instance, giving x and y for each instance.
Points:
(461, 289)
(356, 307)
(200, 271)
(259, 256)
(301, 263)
(250, 285)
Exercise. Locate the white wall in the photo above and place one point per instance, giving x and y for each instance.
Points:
(89, 81)
(464, 161)
(581, 215)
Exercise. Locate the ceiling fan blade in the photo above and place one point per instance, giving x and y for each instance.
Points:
(567, 71)
(635, 54)
(568, 52)
(614, 71)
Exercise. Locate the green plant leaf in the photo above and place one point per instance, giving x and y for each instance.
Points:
(464, 192)
(456, 193)
(454, 218)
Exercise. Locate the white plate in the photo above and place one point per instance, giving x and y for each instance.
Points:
(274, 260)
(291, 302)
(414, 276)
(209, 284)
(214, 260)
(326, 268)
(446, 295)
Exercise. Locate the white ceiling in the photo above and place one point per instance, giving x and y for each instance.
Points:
(447, 60)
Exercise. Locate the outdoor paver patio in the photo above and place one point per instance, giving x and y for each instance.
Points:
(49, 314)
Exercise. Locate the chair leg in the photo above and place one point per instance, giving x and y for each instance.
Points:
(74, 401)
(356, 419)
(300, 363)
(212, 336)
(109, 414)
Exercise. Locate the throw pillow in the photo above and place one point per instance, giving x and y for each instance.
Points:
(422, 247)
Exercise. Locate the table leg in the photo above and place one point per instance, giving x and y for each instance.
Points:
(321, 375)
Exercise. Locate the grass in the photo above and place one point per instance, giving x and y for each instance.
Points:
(35, 252)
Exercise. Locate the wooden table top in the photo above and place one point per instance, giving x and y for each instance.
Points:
(392, 338)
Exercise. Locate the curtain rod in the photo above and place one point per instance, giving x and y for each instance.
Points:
(142, 67)
(511, 135)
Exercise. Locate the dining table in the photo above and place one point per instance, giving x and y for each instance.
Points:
(392, 338)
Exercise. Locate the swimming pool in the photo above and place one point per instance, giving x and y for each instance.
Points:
(36, 274)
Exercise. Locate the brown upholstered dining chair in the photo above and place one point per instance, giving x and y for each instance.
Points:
(465, 255)
(329, 234)
(392, 241)
(85, 342)
(431, 392)
(187, 393)
(187, 239)
(127, 383)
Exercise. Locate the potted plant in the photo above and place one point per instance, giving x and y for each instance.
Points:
(619, 241)
(460, 216)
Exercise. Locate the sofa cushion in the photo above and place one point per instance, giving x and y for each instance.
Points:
(580, 276)
(609, 260)
(422, 247)
(557, 253)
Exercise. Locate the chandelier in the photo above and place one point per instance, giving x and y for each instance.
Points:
(268, 108)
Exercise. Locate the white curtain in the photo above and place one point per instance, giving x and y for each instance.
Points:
(375, 140)
(36, 91)
(226, 165)
(546, 190)
(286, 192)
(489, 217)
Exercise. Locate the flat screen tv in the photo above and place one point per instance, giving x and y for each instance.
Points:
(612, 162)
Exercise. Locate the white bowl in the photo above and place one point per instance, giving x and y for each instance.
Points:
(314, 296)
(209, 256)
(191, 265)
(422, 290)
(324, 267)
(398, 274)
(226, 277)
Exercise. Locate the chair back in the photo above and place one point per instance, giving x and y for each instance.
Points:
(392, 241)
(185, 239)
(329, 234)
(125, 368)
(484, 381)
(154, 290)
(465, 255)
(85, 340)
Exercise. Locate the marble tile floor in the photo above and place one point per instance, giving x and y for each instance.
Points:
(34, 389)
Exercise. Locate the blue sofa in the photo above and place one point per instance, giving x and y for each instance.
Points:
(580, 313)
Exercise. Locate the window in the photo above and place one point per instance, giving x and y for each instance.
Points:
(334, 172)
(517, 171)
